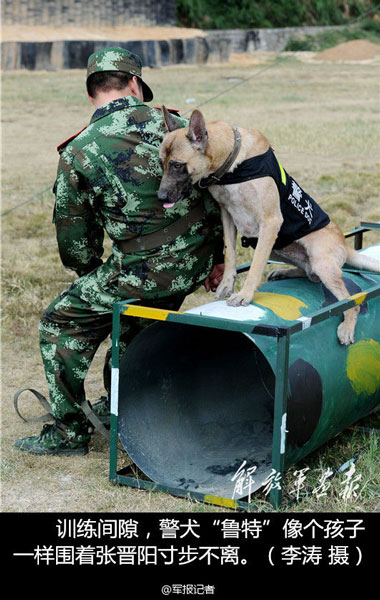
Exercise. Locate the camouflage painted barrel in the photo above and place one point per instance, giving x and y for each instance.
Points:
(197, 403)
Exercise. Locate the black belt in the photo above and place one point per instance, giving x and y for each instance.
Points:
(165, 235)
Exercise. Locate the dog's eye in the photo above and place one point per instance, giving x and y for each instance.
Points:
(177, 165)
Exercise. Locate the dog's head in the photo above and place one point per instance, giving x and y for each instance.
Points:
(183, 157)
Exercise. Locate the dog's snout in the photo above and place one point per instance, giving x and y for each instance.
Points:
(162, 195)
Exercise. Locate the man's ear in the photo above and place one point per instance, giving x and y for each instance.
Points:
(170, 123)
(197, 133)
(91, 99)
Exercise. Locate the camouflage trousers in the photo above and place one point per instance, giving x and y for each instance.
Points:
(71, 330)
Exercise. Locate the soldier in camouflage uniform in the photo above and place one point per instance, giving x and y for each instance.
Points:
(108, 178)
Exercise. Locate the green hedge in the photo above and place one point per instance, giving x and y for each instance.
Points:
(369, 31)
(246, 14)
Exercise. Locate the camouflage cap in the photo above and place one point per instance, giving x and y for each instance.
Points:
(118, 59)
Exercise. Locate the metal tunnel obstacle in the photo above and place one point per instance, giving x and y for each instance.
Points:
(190, 417)
(201, 393)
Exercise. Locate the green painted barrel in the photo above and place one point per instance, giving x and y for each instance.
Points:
(196, 403)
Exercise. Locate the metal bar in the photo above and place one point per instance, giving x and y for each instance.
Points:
(246, 266)
(115, 359)
(359, 231)
(243, 268)
(355, 231)
(133, 481)
(334, 309)
(358, 242)
(358, 234)
(348, 269)
(279, 419)
(370, 225)
(200, 320)
(114, 390)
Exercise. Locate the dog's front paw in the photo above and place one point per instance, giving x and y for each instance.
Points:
(240, 299)
(345, 334)
(225, 288)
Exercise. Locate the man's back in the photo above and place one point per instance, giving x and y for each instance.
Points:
(108, 177)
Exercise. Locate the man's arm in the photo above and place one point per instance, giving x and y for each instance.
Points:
(80, 235)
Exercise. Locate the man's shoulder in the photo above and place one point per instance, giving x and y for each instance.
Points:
(63, 145)
(78, 144)
(146, 118)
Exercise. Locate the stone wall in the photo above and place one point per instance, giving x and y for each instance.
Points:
(249, 40)
(215, 46)
(91, 13)
(73, 54)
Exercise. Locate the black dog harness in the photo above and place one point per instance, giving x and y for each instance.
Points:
(301, 213)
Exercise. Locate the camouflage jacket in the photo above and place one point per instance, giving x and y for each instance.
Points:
(108, 178)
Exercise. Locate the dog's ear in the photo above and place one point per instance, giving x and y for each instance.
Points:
(197, 134)
(170, 123)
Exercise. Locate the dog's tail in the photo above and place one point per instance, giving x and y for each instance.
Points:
(362, 261)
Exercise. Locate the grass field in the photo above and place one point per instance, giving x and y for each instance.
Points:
(323, 121)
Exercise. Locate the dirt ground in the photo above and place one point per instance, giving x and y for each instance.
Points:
(28, 33)
(355, 50)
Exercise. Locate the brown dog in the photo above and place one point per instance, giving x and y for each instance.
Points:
(261, 201)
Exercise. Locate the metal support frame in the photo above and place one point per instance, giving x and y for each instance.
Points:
(279, 417)
(359, 231)
(283, 334)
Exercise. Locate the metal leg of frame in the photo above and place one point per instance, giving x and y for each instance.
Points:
(358, 240)
(114, 389)
(279, 418)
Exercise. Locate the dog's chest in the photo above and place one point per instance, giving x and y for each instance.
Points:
(241, 207)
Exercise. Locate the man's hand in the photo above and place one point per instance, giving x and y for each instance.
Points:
(215, 277)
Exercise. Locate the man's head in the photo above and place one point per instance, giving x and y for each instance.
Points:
(116, 69)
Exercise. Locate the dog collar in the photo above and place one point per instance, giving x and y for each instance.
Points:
(215, 177)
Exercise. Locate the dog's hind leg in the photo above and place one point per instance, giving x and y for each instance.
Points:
(331, 276)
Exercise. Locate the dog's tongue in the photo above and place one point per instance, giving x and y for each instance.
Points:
(168, 204)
